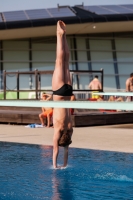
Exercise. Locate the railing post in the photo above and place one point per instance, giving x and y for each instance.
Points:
(39, 85)
(36, 83)
(71, 78)
(102, 79)
(17, 85)
(4, 84)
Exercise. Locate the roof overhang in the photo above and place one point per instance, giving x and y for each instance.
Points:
(81, 28)
(80, 21)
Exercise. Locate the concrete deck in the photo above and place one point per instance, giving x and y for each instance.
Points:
(113, 138)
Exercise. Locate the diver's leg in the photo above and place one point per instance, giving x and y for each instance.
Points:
(66, 59)
(58, 75)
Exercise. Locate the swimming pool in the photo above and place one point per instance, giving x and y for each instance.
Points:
(26, 173)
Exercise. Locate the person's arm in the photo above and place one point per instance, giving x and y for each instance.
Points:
(55, 148)
(49, 96)
(65, 156)
(48, 120)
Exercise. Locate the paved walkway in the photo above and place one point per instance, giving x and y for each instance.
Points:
(112, 138)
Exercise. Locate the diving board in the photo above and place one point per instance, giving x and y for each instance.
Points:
(70, 104)
(126, 94)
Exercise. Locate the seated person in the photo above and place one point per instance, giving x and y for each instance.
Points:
(100, 98)
(46, 112)
(111, 98)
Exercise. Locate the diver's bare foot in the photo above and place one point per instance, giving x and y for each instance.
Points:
(61, 27)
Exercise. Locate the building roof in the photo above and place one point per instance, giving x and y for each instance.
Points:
(70, 15)
(80, 19)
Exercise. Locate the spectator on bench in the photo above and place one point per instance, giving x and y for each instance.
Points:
(46, 112)
(111, 98)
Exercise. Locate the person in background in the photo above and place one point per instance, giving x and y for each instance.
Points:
(111, 98)
(95, 84)
(46, 112)
(100, 98)
(129, 86)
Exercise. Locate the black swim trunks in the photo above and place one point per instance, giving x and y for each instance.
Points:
(65, 90)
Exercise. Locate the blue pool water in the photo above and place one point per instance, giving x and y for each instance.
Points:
(26, 173)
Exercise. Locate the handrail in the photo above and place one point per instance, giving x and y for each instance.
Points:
(38, 89)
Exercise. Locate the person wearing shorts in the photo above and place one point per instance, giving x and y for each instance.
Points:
(62, 91)
(46, 112)
(95, 84)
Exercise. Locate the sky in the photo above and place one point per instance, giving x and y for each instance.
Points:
(12, 5)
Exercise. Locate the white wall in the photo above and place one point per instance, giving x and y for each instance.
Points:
(16, 57)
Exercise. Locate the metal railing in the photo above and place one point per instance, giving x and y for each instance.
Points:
(38, 88)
